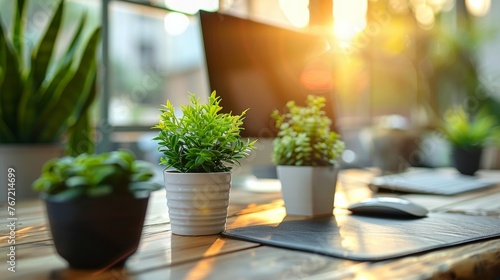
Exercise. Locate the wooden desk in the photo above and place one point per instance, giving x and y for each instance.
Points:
(162, 255)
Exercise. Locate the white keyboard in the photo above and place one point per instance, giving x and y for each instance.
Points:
(430, 182)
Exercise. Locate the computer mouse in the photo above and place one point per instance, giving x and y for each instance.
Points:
(396, 207)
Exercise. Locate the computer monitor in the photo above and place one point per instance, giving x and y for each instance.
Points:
(261, 67)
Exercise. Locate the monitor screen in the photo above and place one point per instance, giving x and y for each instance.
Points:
(261, 67)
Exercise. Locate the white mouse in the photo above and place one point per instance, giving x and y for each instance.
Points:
(388, 207)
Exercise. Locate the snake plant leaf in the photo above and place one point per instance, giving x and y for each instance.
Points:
(26, 118)
(80, 133)
(42, 54)
(78, 87)
(46, 93)
(80, 137)
(18, 28)
(2, 61)
(12, 84)
(73, 46)
(5, 133)
(41, 97)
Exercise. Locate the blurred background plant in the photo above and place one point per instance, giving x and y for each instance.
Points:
(466, 131)
(96, 175)
(304, 136)
(451, 73)
(412, 58)
(45, 96)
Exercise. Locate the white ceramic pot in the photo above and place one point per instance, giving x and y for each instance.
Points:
(197, 202)
(308, 190)
(27, 161)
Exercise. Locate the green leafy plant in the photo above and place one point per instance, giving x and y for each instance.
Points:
(95, 175)
(202, 139)
(38, 105)
(304, 135)
(465, 131)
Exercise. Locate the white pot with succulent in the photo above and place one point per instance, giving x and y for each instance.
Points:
(305, 152)
(199, 149)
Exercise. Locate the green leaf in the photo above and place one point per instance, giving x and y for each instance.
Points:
(18, 28)
(80, 134)
(63, 71)
(76, 181)
(202, 140)
(147, 186)
(5, 133)
(26, 118)
(55, 115)
(62, 77)
(11, 87)
(67, 194)
(73, 46)
(99, 191)
(143, 176)
(42, 54)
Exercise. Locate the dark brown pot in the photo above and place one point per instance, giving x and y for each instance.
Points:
(467, 160)
(97, 233)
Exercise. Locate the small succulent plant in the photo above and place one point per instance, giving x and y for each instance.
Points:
(202, 140)
(304, 135)
(94, 175)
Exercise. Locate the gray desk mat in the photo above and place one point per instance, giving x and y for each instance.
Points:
(364, 238)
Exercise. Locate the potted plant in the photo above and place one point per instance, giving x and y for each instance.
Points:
(468, 136)
(199, 149)
(305, 152)
(44, 98)
(96, 204)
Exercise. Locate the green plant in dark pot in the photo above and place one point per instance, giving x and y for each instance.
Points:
(44, 98)
(199, 149)
(306, 152)
(96, 203)
(468, 135)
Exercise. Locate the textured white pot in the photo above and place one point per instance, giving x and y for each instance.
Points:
(307, 190)
(197, 202)
(27, 161)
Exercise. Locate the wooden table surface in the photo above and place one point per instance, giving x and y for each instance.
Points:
(162, 255)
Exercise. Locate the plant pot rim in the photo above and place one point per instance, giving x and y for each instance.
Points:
(51, 199)
(194, 173)
(475, 147)
(310, 166)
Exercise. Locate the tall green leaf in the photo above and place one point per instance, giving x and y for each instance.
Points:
(5, 134)
(26, 118)
(17, 37)
(42, 54)
(54, 119)
(12, 84)
(80, 138)
(46, 93)
(40, 97)
(73, 46)
(2, 59)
